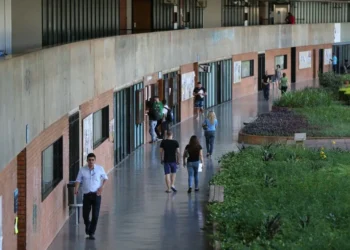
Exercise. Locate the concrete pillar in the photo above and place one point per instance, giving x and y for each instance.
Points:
(246, 9)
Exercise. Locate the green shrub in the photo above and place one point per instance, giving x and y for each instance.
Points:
(295, 199)
(309, 97)
(330, 81)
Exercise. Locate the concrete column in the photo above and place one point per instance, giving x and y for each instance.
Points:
(246, 9)
(176, 20)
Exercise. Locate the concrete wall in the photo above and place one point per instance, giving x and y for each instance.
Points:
(212, 14)
(26, 25)
(39, 88)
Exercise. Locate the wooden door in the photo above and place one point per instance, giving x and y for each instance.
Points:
(141, 15)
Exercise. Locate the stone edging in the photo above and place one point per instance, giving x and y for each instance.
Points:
(262, 139)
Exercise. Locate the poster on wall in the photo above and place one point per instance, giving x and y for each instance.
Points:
(111, 130)
(337, 33)
(187, 85)
(327, 56)
(0, 222)
(88, 140)
(305, 59)
(237, 72)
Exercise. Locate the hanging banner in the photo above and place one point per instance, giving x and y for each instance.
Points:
(337, 33)
(88, 140)
(187, 85)
(305, 59)
(237, 74)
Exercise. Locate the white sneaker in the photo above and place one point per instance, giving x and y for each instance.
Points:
(87, 236)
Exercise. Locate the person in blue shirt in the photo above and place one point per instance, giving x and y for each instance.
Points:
(210, 124)
(92, 177)
(334, 62)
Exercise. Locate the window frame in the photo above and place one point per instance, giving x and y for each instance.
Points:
(251, 68)
(104, 126)
(285, 62)
(57, 167)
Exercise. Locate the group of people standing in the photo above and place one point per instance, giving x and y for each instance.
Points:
(279, 78)
(192, 158)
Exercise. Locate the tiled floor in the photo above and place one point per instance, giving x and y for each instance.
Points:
(137, 214)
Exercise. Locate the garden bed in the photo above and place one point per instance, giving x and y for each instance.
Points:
(311, 111)
(283, 197)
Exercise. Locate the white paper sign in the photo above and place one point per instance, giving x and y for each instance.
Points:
(327, 56)
(187, 85)
(305, 59)
(88, 140)
(237, 72)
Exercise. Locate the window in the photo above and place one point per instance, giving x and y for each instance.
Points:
(282, 61)
(247, 68)
(52, 167)
(101, 126)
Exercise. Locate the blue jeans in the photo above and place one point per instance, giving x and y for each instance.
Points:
(209, 141)
(152, 129)
(192, 168)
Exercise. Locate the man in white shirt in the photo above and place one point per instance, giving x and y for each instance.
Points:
(92, 177)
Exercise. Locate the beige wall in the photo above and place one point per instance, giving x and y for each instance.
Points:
(212, 14)
(39, 88)
(26, 25)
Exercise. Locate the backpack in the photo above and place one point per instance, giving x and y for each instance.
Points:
(169, 116)
(157, 111)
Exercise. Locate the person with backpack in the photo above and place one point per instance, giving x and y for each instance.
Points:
(155, 114)
(167, 119)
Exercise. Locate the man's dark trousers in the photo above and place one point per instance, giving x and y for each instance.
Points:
(92, 202)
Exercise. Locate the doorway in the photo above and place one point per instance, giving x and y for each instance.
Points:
(141, 16)
(74, 149)
(280, 13)
(293, 66)
(261, 69)
(320, 60)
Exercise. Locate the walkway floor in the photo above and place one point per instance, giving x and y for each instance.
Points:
(137, 214)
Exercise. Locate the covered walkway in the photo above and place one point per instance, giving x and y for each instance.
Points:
(137, 214)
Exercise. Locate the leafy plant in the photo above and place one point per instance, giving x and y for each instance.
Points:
(308, 209)
(330, 81)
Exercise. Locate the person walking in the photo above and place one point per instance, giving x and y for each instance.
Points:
(283, 86)
(93, 177)
(155, 115)
(278, 74)
(209, 125)
(199, 92)
(193, 153)
(266, 86)
(170, 158)
(334, 62)
(165, 121)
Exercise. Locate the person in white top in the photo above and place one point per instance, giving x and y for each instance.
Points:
(165, 123)
(92, 178)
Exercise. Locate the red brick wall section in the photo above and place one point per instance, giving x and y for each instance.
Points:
(248, 85)
(270, 61)
(187, 106)
(310, 73)
(104, 152)
(22, 199)
(8, 183)
(46, 217)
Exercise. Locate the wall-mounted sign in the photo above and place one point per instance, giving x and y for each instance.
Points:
(337, 33)
(327, 56)
(88, 142)
(187, 85)
(237, 72)
(305, 59)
